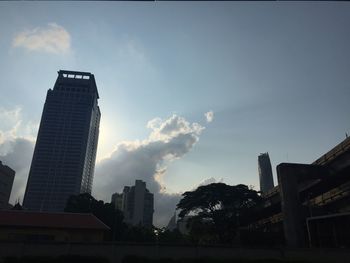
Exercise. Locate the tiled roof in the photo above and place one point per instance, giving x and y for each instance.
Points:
(50, 220)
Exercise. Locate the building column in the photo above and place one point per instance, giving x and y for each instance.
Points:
(289, 176)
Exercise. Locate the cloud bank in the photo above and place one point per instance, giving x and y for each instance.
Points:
(209, 116)
(147, 160)
(52, 39)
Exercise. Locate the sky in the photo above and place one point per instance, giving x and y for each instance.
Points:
(190, 92)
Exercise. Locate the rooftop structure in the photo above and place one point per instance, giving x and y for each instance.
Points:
(44, 226)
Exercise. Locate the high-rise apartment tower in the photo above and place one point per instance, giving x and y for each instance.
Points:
(65, 151)
(265, 172)
(136, 202)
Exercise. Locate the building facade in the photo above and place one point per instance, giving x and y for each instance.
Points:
(64, 156)
(137, 204)
(265, 172)
(310, 206)
(29, 226)
(7, 175)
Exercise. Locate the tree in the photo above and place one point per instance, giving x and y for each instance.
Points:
(215, 210)
(106, 212)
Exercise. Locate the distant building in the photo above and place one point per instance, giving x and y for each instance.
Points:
(172, 223)
(64, 156)
(265, 173)
(43, 226)
(117, 200)
(136, 203)
(7, 176)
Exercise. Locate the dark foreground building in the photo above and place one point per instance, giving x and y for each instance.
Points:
(31, 226)
(310, 206)
(64, 156)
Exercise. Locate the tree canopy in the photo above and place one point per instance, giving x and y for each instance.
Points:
(106, 212)
(214, 211)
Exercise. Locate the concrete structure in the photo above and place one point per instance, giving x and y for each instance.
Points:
(7, 175)
(265, 172)
(64, 156)
(137, 204)
(308, 201)
(63, 227)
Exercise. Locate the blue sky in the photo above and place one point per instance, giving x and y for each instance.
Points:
(275, 75)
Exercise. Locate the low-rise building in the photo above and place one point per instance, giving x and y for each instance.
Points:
(44, 226)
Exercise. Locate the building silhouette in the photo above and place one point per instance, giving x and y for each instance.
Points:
(64, 156)
(117, 200)
(136, 203)
(7, 175)
(265, 172)
(310, 206)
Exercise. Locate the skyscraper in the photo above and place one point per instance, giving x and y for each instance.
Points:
(64, 156)
(136, 204)
(265, 172)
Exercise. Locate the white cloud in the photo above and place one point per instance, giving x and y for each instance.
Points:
(147, 160)
(209, 116)
(52, 39)
(13, 126)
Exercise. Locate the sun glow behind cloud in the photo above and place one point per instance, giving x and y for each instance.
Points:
(148, 160)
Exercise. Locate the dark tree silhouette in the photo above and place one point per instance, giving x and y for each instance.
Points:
(106, 212)
(215, 210)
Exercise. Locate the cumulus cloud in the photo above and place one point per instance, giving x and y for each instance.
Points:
(147, 160)
(209, 116)
(52, 38)
(12, 126)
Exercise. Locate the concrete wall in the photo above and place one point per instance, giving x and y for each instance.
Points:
(115, 252)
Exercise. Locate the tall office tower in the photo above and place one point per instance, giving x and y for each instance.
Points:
(7, 175)
(265, 172)
(64, 156)
(136, 204)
